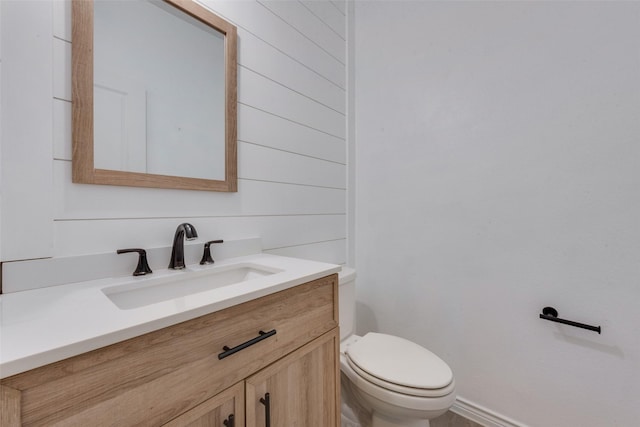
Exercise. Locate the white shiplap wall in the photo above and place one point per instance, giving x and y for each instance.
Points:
(25, 126)
(291, 148)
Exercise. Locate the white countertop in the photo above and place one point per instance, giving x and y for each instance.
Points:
(42, 326)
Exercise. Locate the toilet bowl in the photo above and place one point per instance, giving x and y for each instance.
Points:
(401, 383)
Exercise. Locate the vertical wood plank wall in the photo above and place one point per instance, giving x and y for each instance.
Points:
(291, 145)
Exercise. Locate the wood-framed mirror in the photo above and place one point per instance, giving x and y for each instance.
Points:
(154, 95)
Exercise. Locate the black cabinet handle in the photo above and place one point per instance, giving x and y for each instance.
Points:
(267, 409)
(229, 351)
(229, 421)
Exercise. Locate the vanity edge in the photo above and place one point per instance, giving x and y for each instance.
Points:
(18, 355)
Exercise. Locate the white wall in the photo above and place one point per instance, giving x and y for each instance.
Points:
(291, 148)
(25, 126)
(498, 148)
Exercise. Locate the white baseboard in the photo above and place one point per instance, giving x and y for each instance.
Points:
(482, 415)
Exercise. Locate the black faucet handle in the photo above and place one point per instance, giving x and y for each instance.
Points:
(143, 266)
(206, 255)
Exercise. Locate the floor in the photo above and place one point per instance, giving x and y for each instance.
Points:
(452, 420)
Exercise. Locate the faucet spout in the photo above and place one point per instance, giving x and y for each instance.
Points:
(184, 231)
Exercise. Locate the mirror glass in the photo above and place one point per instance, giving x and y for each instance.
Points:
(158, 91)
(162, 92)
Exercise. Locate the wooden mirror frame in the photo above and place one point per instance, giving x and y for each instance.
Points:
(84, 170)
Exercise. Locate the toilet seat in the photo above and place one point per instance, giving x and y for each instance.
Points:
(409, 391)
(397, 403)
(399, 365)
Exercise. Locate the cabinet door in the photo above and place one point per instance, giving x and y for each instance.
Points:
(222, 410)
(300, 390)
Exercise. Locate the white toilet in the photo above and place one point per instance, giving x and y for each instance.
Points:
(401, 383)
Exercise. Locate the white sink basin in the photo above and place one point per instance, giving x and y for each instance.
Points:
(149, 290)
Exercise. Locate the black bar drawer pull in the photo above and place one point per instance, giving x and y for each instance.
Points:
(229, 422)
(266, 401)
(229, 351)
(550, 313)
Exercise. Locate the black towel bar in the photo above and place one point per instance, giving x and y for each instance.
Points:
(550, 313)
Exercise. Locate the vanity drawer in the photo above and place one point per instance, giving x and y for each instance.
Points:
(151, 379)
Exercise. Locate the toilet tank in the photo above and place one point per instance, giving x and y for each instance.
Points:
(347, 301)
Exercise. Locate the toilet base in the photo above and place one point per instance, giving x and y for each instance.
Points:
(379, 420)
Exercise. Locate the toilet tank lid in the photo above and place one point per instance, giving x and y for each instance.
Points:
(399, 361)
(346, 275)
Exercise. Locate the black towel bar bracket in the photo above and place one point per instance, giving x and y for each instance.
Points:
(550, 313)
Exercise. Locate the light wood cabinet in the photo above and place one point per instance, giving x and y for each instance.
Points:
(223, 410)
(177, 376)
(299, 390)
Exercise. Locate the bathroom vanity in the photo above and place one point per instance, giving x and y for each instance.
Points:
(271, 360)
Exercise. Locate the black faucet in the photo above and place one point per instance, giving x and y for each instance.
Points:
(143, 266)
(184, 231)
(206, 254)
